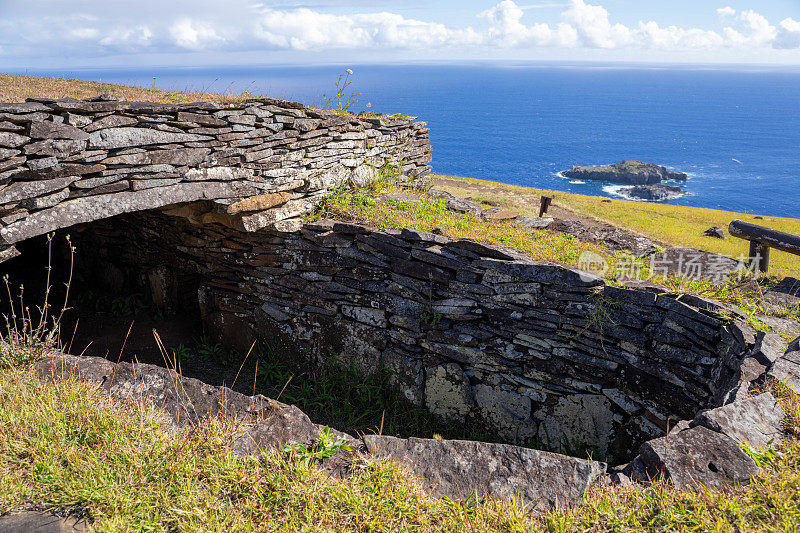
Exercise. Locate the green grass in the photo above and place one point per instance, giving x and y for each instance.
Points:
(69, 446)
(673, 225)
(361, 205)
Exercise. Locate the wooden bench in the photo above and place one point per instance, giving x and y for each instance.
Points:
(761, 240)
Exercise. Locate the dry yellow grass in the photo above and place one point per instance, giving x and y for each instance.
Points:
(18, 88)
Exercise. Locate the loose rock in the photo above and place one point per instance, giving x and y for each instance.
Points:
(698, 457)
(457, 469)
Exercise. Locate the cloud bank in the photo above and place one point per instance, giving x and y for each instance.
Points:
(240, 25)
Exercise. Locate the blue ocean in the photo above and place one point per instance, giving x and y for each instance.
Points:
(735, 131)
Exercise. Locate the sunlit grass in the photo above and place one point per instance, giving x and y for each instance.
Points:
(18, 88)
(67, 445)
(672, 225)
(362, 206)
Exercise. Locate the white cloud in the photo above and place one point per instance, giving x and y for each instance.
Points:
(507, 30)
(754, 30)
(761, 32)
(594, 28)
(84, 33)
(305, 29)
(788, 36)
(127, 37)
(726, 11)
(651, 35)
(242, 25)
(194, 35)
(591, 26)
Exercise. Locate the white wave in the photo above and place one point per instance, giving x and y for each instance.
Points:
(734, 159)
(616, 190)
(577, 182)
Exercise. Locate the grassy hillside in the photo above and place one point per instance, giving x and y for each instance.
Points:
(673, 225)
(18, 88)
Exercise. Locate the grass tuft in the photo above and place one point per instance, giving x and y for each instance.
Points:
(67, 445)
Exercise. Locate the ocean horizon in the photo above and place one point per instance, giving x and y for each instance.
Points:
(734, 130)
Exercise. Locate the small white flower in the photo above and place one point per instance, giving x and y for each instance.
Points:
(349, 71)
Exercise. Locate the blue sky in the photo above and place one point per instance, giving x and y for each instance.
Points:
(61, 34)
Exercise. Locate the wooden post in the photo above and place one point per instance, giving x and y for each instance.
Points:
(759, 256)
(544, 203)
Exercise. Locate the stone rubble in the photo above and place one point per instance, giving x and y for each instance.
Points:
(710, 449)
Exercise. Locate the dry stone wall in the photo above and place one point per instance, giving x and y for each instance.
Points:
(481, 336)
(64, 162)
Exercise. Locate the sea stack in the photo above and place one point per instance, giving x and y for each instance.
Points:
(629, 172)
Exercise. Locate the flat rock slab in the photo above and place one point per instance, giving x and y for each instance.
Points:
(455, 203)
(768, 348)
(534, 222)
(269, 424)
(698, 457)
(87, 209)
(784, 326)
(398, 196)
(128, 137)
(456, 469)
(610, 237)
(617, 239)
(495, 213)
(694, 264)
(786, 369)
(786, 293)
(755, 421)
(40, 522)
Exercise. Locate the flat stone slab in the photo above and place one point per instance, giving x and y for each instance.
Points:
(457, 469)
(398, 196)
(534, 222)
(698, 457)
(87, 209)
(786, 369)
(41, 522)
(127, 137)
(455, 203)
(786, 293)
(783, 326)
(495, 213)
(755, 421)
(768, 348)
(269, 424)
(613, 238)
(617, 239)
(695, 264)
